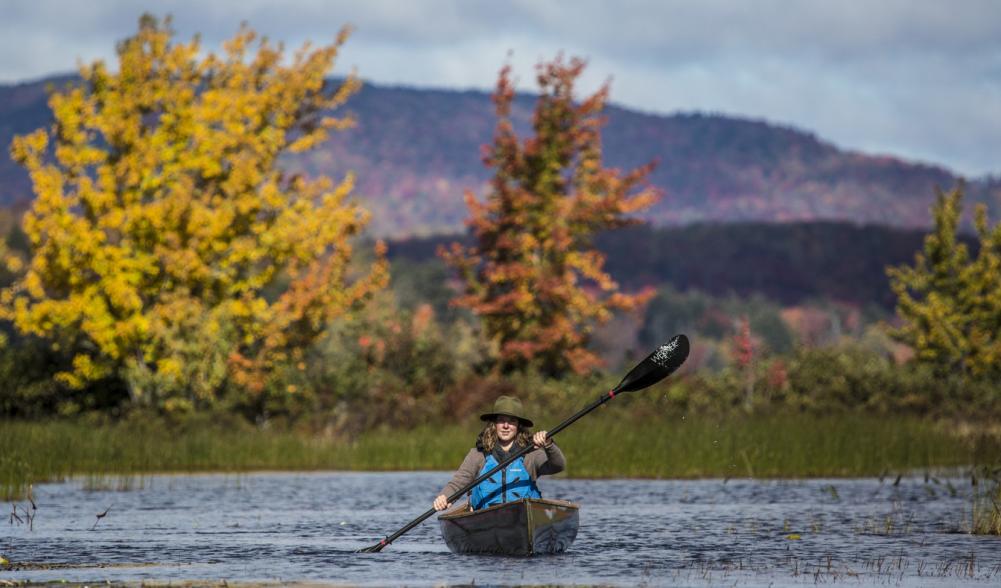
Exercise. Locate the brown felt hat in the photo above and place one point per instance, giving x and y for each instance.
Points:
(507, 406)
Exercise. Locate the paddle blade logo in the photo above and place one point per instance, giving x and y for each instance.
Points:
(672, 354)
(664, 352)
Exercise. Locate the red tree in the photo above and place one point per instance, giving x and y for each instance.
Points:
(533, 275)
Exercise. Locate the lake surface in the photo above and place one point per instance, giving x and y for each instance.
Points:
(286, 527)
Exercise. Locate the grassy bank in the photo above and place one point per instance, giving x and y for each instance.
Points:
(775, 447)
(610, 445)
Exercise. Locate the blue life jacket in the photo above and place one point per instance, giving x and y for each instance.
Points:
(511, 483)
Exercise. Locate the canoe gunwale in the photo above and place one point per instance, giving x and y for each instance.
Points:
(456, 514)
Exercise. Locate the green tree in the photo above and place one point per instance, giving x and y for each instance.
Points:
(950, 304)
(162, 217)
(985, 312)
(533, 275)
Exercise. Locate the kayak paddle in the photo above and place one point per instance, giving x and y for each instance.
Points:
(658, 365)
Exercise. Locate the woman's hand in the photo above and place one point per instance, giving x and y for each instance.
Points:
(540, 439)
(441, 502)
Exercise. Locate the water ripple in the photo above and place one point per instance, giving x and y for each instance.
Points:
(307, 527)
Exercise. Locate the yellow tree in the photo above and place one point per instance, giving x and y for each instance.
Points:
(9, 265)
(169, 248)
(985, 312)
(533, 275)
(950, 303)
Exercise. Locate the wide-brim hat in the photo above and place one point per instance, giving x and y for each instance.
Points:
(508, 406)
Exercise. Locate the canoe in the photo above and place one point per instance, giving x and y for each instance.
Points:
(530, 526)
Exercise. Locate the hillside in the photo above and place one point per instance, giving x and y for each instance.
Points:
(790, 263)
(414, 152)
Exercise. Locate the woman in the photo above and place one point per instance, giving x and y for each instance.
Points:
(507, 432)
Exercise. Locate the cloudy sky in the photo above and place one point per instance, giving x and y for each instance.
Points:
(913, 78)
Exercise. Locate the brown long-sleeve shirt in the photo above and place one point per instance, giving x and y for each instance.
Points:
(540, 462)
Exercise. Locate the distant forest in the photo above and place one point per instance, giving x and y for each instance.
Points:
(788, 263)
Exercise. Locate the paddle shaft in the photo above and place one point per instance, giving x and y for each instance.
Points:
(458, 494)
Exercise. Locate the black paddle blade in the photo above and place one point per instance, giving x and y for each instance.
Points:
(374, 548)
(659, 365)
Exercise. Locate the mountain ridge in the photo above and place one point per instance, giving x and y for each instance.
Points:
(414, 151)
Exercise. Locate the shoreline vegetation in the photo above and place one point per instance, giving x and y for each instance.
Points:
(118, 456)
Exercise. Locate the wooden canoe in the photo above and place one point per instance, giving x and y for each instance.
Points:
(530, 526)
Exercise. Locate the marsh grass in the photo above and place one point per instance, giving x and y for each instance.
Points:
(608, 444)
(862, 569)
(986, 512)
(118, 457)
(771, 447)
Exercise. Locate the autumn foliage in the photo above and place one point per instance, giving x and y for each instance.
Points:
(168, 247)
(533, 276)
(950, 301)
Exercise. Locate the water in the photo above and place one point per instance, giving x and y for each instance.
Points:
(289, 527)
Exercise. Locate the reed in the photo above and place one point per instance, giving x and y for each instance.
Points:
(616, 444)
(986, 512)
(116, 456)
(772, 447)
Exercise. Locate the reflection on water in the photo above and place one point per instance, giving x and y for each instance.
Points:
(286, 527)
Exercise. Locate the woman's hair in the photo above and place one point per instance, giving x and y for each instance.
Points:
(488, 437)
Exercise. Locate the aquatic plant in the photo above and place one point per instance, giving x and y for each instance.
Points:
(769, 446)
(117, 455)
(986, 498)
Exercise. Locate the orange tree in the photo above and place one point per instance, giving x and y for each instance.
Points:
(169, 248)
(533, 276)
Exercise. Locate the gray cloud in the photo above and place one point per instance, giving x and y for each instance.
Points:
(919, 79)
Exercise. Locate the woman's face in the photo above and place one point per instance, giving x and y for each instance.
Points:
(506, 427)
